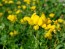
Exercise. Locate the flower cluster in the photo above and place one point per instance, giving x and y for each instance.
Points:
(49, 25)
(14, 33)
(32, 24)
(12, 18)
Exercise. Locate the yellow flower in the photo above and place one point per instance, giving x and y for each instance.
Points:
(33, 15)
(35, 18)
(54, 31)
(18, 2)
(12, 18)
(51, 15)
(33, 7)
(36, 27)
(43, 17)
(27, 1)
(10, 2)
(15, 32)
(49, 21)
(53, 27)
(1, 14)
(50, 30)
(60, 20)
(5, 1)
(34, 0)
(26, 18)
(40, 22)
(44, 26)
(48, 26)
(58, 27)
(11, 34)
(30, 22)
(1, 4)
(22, 21)
(24, 7)
(18, 11)
(48, 35)
(19, 6)
(56, 22)
(64, 22)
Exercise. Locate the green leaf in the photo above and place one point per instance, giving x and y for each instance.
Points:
(59, 46)
(21, 47)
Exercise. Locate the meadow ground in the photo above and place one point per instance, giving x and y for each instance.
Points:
(32, 24)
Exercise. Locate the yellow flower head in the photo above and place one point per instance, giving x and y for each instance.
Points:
(5, 1)
(53, 27)
(64, 22)
(48, 26)
(36, 27)
(18, 2)
(24, 7)
(1, 14)
(40, 22)
(44, 26)
(48, 35)
(19, 6)
(22, 21)
(33, 7)
(26, 18)
(18, 11)
(55, 22)
(35, 18)
(60, 20)
(43, 17)
(51, 15)
(15, 32)
(49, 21)
(1, 4)
(10, 2)
(11, 34)
(27, 1)
(12, 18)
(30, 22)
(58, 27)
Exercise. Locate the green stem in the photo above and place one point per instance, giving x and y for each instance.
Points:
(3, 47)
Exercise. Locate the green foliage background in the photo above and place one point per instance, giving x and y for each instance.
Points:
(27, 37)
